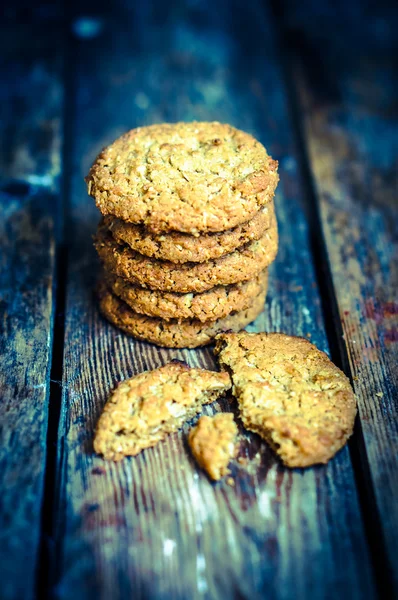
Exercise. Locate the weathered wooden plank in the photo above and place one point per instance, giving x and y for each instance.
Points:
(30, 122)
(154, 526)
(352, 137)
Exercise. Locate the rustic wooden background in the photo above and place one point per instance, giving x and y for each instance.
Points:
(316, 83)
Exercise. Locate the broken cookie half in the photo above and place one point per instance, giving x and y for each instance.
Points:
(143, 410)
(213, 443)
(290, 393)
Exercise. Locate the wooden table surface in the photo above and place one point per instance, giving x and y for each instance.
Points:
(314, 81)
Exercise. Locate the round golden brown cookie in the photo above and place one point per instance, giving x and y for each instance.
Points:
(241, 265)
(173, 334)
(183, 247)
(191, 177)
(208, 306)
(290, 393)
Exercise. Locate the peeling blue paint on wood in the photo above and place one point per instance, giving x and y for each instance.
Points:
(30, 109)
(154, 526)
(352, 139)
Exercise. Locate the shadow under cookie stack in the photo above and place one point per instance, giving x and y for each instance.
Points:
(188, 231)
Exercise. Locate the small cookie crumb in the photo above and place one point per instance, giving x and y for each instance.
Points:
(213, 443)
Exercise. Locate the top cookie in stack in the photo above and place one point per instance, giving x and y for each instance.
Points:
(188, 232)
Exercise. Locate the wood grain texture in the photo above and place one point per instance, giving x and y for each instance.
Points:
(154, 526)
(30, 109)
(350, 121)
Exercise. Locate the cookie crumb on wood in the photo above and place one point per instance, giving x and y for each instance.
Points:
(143, 410)
(213, 443)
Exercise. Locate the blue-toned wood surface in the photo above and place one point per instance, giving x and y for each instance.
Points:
(153, 526)
(30, 124)
(348, 104)
(314, 81)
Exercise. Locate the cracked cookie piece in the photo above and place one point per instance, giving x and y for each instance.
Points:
(143, 410)
(189, 177)
(182, 247)
(173, 334)
(290, 393)
(241, 265)
(214, 304)
(213, 443)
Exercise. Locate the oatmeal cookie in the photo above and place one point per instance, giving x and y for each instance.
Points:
(290, 393)
(173, 334)
(190, 177)
(214, 304)
(143, 410)
(242, 265)
(182, 247)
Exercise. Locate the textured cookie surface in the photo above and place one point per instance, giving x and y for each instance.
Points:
(290, 393)
(191, 177)
(143, 410)
(173, 334)
(242, 265)
(182, 247)
(207, 306)
(213, 442)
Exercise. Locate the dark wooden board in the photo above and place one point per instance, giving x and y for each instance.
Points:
(30, 134)
(154, 526)
(347, 87)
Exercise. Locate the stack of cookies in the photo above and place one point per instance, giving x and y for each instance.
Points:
(188, 231)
